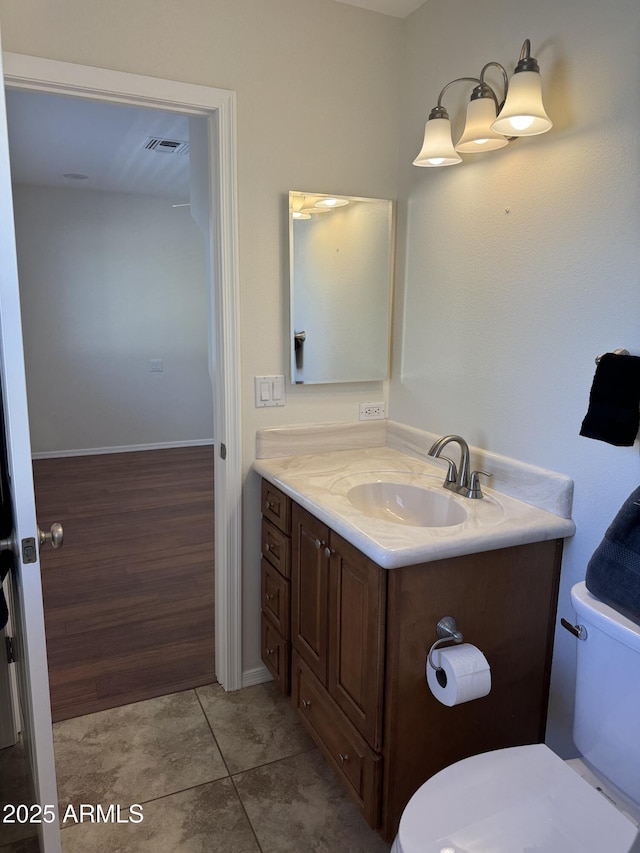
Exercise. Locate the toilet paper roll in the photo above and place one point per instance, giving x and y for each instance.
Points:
(462, 674)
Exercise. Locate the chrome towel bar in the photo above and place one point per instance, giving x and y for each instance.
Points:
(618, 351)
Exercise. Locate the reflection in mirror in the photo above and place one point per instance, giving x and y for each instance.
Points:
(341, 272)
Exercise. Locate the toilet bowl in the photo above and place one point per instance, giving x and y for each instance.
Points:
(525, 799)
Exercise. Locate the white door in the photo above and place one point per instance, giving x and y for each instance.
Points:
(31, 655)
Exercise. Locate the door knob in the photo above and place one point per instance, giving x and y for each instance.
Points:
(55, 535)
(8, 544)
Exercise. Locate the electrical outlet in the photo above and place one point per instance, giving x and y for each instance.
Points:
(372, 411)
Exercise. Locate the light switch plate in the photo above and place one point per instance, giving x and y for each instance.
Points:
(269, 391)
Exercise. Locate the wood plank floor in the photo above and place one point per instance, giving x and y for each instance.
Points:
(129, 598)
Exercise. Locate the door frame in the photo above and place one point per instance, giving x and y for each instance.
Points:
(218, 106)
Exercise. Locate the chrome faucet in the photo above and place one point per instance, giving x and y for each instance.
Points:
(458, 482)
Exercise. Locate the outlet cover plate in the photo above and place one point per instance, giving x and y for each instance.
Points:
(372, 411)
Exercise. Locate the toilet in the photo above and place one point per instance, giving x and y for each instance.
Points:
(524, 799)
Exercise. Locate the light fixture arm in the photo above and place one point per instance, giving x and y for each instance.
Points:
(505, 82)
(526, 61)
(439, 111)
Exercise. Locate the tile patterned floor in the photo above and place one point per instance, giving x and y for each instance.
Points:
(213, 771)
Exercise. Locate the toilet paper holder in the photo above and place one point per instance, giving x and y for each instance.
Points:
(447, 631)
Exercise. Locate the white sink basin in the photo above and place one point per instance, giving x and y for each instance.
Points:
(404, 503)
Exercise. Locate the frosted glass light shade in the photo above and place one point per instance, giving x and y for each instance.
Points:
(437, 148)
(523, 113)
(478, 135)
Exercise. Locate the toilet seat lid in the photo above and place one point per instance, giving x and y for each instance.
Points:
(511, 801)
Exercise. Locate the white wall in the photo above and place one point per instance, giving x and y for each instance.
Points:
(109, 281)
(318, 107)
(501, 314)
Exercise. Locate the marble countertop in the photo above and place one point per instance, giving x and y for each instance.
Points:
(319, 482)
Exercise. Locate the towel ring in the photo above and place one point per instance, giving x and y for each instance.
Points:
(618, 351)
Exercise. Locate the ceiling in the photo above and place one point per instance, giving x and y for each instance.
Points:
(51, 136)
(397, 8)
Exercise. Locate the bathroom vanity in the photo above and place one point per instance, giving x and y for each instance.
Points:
(348, 637)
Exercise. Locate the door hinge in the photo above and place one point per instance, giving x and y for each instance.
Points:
(11, 652)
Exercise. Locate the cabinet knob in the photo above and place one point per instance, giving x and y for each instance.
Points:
(305, 703)
(268, 504)
(269, 596)
(318, 543)
(267, 547)
(344, 757)
(269, 652)
(329, 551)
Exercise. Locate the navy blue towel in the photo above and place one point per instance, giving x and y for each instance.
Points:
(614, 402)
(613, 572)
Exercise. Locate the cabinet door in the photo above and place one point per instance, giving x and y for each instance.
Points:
(309, 590)
(357, 608)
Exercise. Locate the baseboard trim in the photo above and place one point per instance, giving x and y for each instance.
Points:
(129, 448)
(258, 675)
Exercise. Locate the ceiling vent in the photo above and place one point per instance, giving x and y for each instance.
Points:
(166, 146)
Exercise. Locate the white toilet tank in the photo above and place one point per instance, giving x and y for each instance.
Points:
(606, 728)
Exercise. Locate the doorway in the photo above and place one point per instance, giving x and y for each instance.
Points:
(110, 258)
(217, 106)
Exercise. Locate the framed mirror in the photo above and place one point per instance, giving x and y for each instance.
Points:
(341, 254)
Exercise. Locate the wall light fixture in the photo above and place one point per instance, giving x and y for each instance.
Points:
(490, 123)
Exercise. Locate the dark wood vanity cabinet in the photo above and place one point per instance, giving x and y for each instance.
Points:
(275, 586)
(337, 617)
(360, 636)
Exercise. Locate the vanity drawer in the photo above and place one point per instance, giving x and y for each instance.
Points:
(357, 765)
(276, 655)
(276, 547)
(276, 506)
(275, 598)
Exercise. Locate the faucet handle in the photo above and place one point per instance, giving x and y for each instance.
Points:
(474, 485)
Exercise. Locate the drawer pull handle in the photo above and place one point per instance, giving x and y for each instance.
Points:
(344, 757)
(267, 546)
(269, 652)
(269, 596)
(305, 703)
(267, 504)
